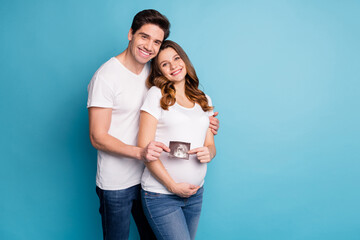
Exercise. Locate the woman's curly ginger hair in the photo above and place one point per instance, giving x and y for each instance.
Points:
(168, 91)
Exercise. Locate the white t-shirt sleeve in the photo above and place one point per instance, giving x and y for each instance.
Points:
(211, 112)
(151, 104)
(100, 93)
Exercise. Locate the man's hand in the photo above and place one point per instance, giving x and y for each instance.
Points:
(202, 153)
(184, 190)
(214, 123)
(153, 150)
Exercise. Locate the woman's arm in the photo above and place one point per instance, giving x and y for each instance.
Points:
(207, 153)
(147, 132)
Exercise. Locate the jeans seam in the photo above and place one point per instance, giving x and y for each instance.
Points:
(104, 212)
(153, 218)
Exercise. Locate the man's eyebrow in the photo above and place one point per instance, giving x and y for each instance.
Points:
(142, 33)
(147, 35)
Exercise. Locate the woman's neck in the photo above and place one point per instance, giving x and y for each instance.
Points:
(180, 88)
(180, 95)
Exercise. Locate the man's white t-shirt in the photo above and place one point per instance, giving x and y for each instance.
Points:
(114, 86)
(177, 124)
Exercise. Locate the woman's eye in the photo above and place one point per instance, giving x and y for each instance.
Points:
(164, 65)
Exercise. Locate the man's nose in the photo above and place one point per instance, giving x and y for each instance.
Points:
(148, 45)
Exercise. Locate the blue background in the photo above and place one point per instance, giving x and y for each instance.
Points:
(284, 76)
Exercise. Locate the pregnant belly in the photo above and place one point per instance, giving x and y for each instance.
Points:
(189, 171)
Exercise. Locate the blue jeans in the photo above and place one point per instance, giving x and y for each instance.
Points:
(115, 209)
(172, 217)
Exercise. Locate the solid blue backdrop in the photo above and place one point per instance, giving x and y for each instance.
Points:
(284, 76)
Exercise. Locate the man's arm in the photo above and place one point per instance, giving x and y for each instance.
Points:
(147, 132)
(99, 124)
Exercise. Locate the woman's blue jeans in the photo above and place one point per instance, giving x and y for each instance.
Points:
(172, 217)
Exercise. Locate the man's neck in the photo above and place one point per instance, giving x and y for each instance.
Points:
(129, 62)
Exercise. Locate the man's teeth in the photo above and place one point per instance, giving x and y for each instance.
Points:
(145, 53)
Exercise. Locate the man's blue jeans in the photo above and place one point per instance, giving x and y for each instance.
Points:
(172, 217)
(115, 209)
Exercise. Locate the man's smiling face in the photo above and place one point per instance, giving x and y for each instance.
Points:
(145, 42)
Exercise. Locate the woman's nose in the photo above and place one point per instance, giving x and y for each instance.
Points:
(172, 66)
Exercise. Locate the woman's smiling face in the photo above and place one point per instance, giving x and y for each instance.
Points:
(171, 65)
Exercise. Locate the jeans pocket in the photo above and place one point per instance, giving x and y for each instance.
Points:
(151, 194)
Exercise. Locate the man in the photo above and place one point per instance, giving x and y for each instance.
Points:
(116, 93)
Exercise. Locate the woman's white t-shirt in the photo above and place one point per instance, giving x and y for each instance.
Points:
(177, 124)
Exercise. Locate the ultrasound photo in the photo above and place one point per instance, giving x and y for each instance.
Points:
(179, 149)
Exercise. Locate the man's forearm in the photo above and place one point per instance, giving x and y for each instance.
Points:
(107, 143)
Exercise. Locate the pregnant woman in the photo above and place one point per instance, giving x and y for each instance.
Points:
(175, 110)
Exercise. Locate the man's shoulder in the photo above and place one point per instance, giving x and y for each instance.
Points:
(109, 71)
(108, 67)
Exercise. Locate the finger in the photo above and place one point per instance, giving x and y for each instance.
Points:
(157, 149)
(186, 194)
(192, 186)
(203, 159)
(215, 114)
(162, 146)
(214, 126)
(214, 131)
(195, 191)
(154, 155)
(214, 121)
(195, 150)
(202, 154)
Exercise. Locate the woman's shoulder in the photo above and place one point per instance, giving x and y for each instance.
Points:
(154, 92)
(154, 89)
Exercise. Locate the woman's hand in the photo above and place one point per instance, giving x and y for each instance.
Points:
(203, 154)
(183, 190)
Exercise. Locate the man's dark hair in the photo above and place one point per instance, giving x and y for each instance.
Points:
(153, 17)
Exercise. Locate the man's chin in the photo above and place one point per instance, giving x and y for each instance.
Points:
(143, 60)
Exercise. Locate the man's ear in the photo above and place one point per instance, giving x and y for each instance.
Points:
(130, 34)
